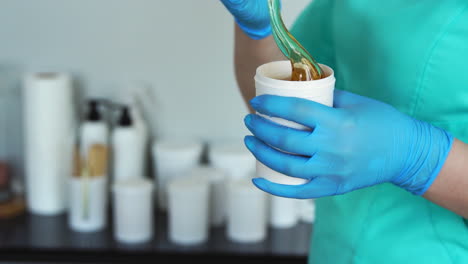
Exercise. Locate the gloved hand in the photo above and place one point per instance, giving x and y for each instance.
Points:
(359, 143)
(252, 16)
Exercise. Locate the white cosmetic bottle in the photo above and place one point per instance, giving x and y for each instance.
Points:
(94, 129)
(127, 149)
(143, 137)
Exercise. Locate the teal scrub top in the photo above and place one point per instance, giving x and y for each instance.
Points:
(411, 54)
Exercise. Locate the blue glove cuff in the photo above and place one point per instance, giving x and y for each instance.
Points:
(429, 149)
(255, 33)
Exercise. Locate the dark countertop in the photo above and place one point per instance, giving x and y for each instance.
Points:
(45, 239)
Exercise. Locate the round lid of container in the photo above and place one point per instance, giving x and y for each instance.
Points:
(190, 182)
(229, 148)
(177, 145)
(211, 173)
(133, 186)
(244, 185)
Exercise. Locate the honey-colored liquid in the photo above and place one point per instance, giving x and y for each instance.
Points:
(304, 66)
(299, 73)
(304, 71)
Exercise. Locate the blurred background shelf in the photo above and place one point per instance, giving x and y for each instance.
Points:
(115, 50)
(43, 239)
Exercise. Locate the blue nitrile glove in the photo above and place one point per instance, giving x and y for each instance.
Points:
(359, 143)
(252, 16)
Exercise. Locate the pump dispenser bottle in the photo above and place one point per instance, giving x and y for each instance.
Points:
(128, 154)
(94, 129)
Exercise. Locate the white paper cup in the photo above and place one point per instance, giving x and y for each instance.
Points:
(232, 157)
(88, 204)
(133, 210)
(173, 159)
(307, 210)
(270, 79)
(247, 212)
(188, 208)
(284, 212)
(217, 193)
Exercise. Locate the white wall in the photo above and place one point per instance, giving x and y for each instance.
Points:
(181, 48)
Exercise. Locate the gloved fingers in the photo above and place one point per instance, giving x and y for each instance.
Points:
(288, 164)
(234, 4)
(299, 110)
(252, 16)
(279, 136)
(239, 8)
(315, 188)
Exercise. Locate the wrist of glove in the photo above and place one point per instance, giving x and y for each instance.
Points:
(359, 143)
(427, 148)
(252, 16)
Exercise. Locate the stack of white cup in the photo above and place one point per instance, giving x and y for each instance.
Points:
(217, 198)
(247, 214)
(232, 157)
(188, 208)
(133, 210)
(173, 159)
(236, 161)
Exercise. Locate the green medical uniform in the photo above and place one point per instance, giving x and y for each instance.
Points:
(413, 55)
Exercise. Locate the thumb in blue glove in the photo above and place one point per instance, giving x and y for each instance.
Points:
(359, 143)
(252, 16)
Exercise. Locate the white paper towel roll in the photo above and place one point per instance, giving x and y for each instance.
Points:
(284, 212)
(95, 218)
(49, 132)
(232, 157)
(247, 212)
(188, 209)
(172, 159)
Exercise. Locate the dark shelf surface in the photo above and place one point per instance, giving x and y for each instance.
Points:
(48, 239)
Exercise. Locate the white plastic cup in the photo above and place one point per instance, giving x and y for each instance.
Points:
(284, 212)
(232, 157)
(270, 79)
(217, 197)
(247, 212)
(307, 211)
(188, 209)
(133, 210)
(173, 159)
(88, 204)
